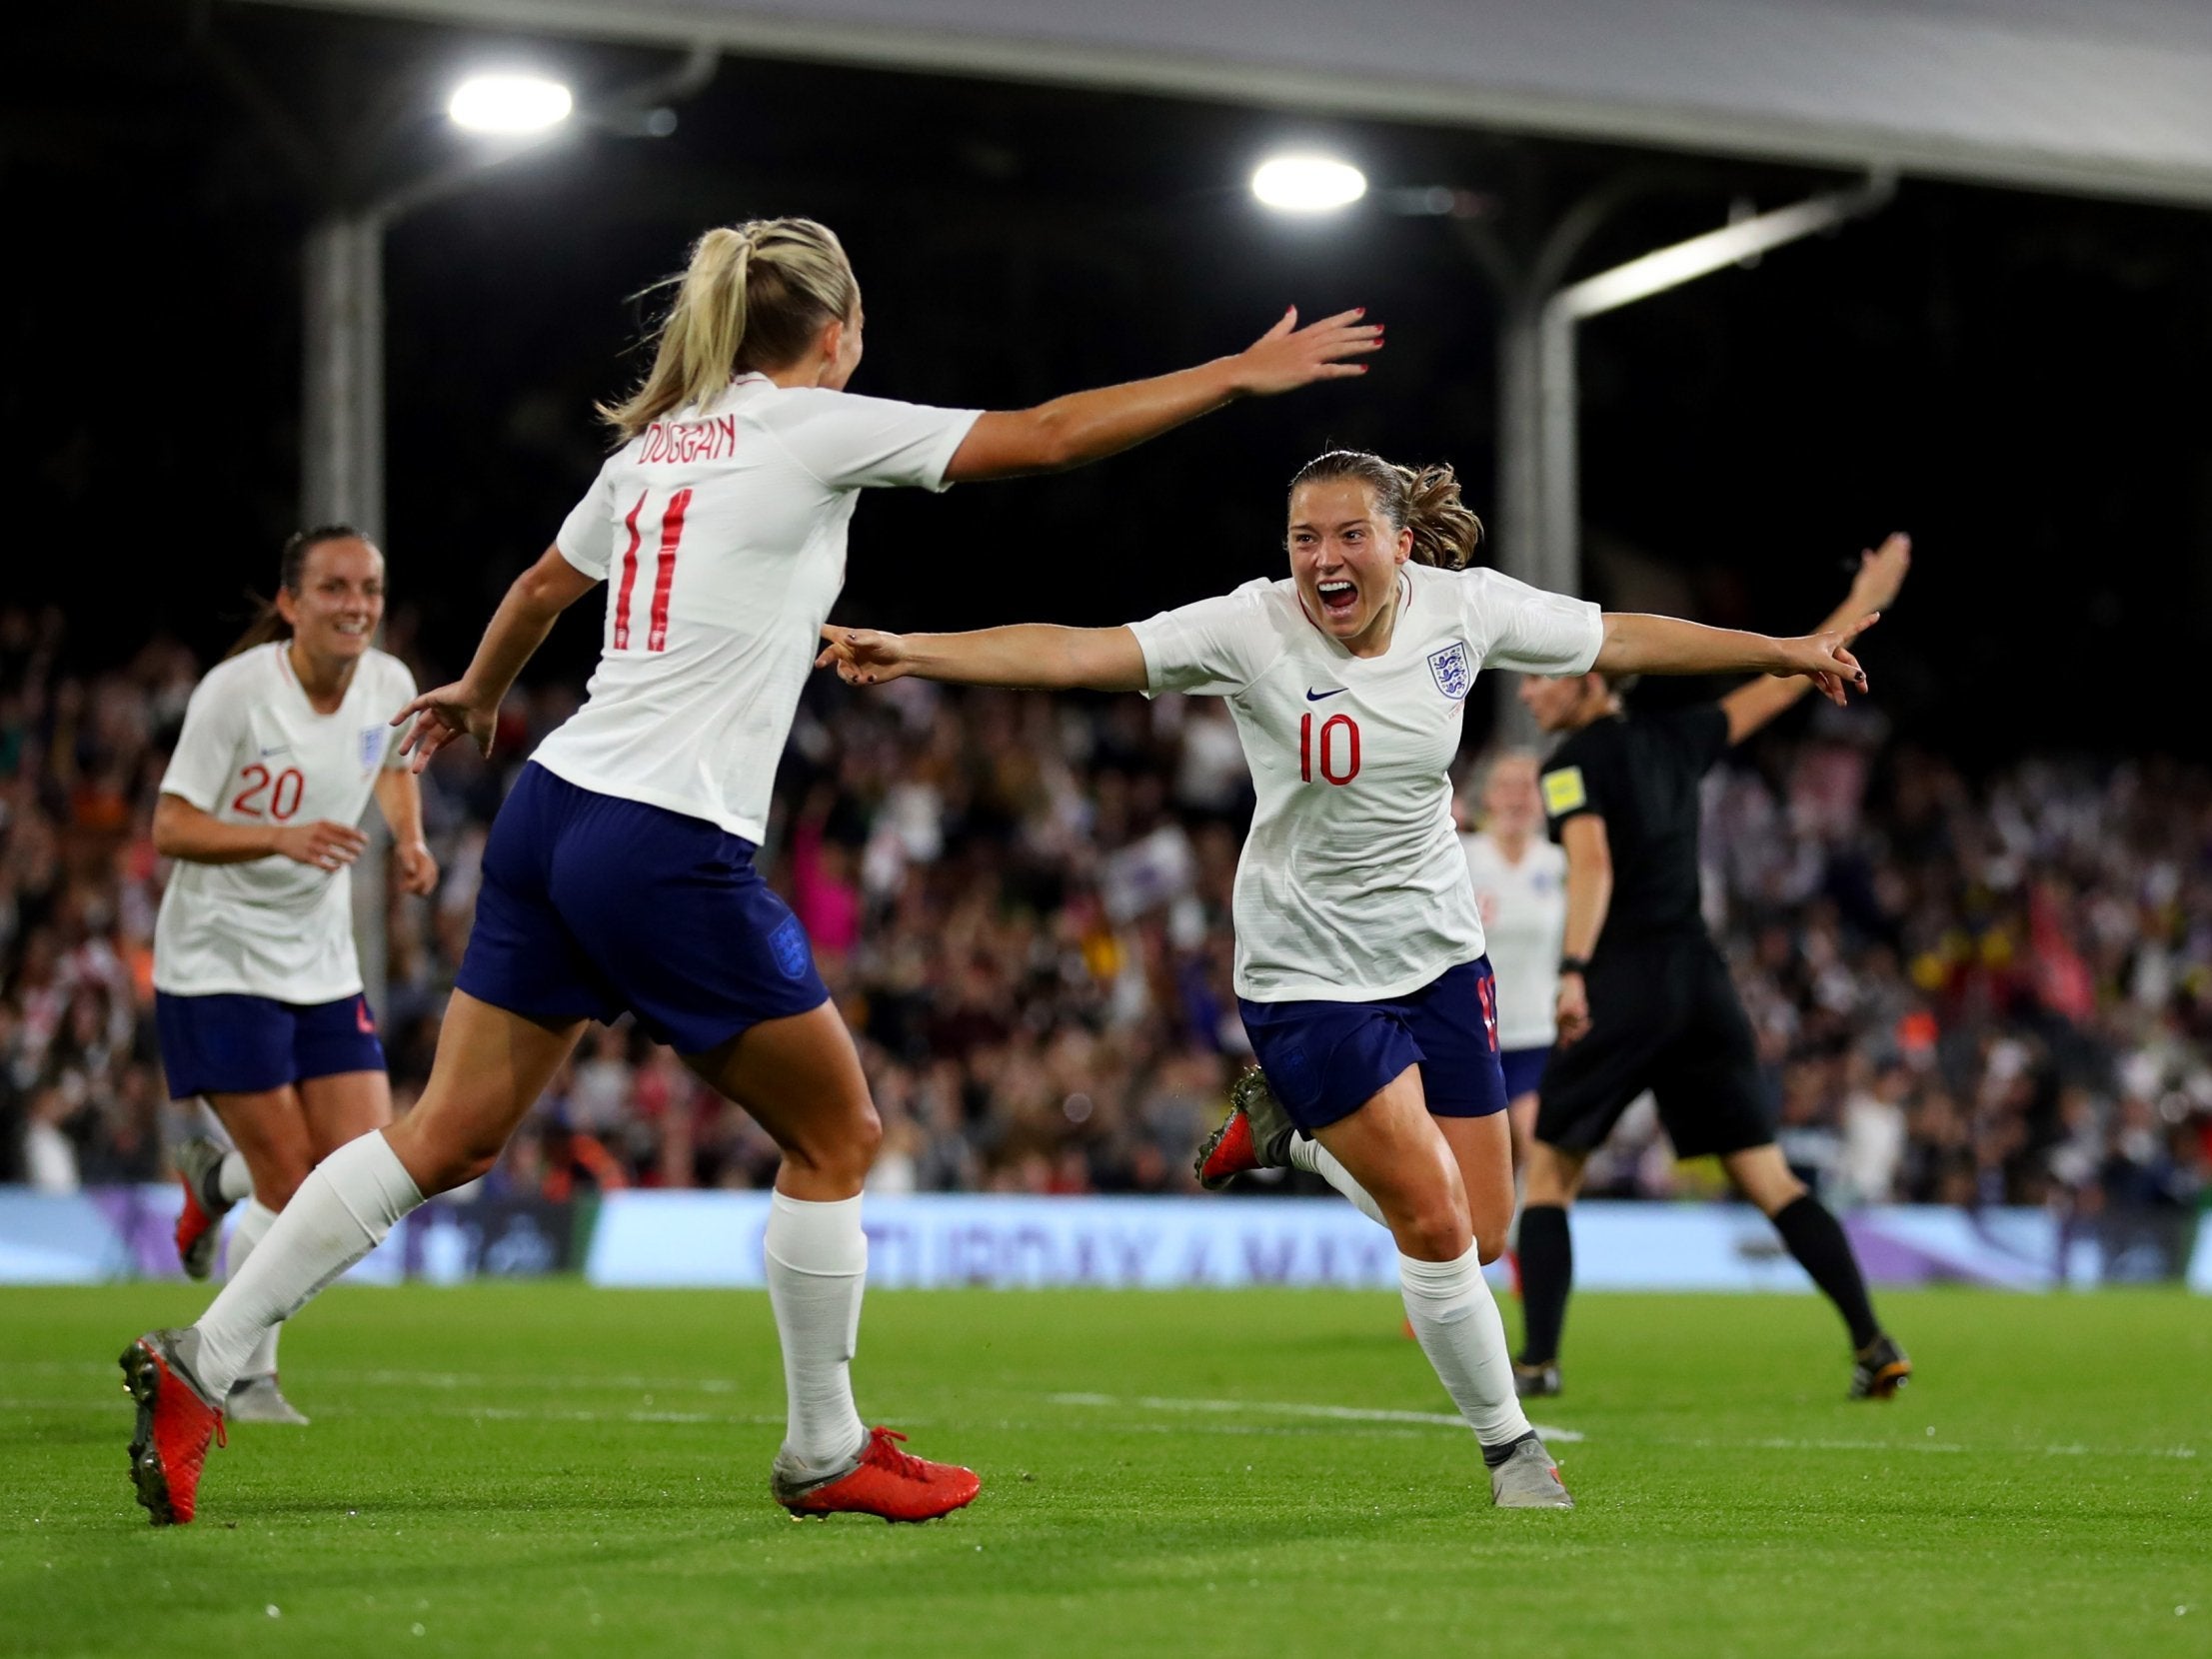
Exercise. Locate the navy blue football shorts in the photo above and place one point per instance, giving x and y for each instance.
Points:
(593, 905)
(1325, 1060)
(236, 1045)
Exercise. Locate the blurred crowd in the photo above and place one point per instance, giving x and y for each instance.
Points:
(1965, 991)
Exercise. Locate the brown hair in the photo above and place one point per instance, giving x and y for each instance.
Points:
(1423, 499)
(752, 297)
(269, 622)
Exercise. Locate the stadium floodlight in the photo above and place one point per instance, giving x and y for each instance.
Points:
(1308, 183)
(509, 105)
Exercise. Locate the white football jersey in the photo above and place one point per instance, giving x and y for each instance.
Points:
(1524, 917)
(253, 750)
(1352, 886)
(720, 531)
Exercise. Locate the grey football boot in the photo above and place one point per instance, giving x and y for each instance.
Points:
(259, 1400)
(1529, 1479)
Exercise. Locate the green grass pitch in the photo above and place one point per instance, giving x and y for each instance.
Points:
(548, 1469)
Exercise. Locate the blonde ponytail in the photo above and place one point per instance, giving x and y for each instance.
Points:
(752, 297)
(1423, 499)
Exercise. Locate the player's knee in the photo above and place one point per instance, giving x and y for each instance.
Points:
(1488, 1247)
(1434, 1227)
(840, 1146)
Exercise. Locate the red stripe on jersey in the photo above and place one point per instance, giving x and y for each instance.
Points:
(664, 575)
(629, 577)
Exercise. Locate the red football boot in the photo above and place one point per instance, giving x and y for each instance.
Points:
(199, 1223)
(1228, 1152)
(886, 1482)
(175, 1426)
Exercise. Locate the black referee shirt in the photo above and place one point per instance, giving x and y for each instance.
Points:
(1640, 775)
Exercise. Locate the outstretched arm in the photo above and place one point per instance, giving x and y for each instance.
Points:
(1089, 425)
(470, 705)
(1881, 572)
(1638, 644)
(1028, 653)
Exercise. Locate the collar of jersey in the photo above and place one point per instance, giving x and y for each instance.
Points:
(1404, 603)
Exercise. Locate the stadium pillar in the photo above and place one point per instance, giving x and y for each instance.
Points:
(342, 408)
(1539, 497)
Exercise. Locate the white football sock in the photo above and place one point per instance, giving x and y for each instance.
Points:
(233, 1180)
(1316, 1159)
(1458, 1322)
(341, 1212)
(253, 1222)
(817, 1270)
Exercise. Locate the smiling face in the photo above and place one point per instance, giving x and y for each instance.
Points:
(1344, 556)
(335, 609)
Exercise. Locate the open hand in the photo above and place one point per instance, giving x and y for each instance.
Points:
(1826, 658)
(440, 716)
(1287, 357)
(862, 656)
(321, 845)
(1882, 574)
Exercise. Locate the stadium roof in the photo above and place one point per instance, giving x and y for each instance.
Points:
(2100, 97)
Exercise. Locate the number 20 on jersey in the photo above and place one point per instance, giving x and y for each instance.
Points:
(1336, 747)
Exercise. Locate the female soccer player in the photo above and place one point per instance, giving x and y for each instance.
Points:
(257, 990)
(1521, 889)
(1360, 952)
(619, 872)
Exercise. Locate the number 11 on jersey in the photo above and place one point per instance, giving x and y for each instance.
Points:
(663, 570)
(1338, 746)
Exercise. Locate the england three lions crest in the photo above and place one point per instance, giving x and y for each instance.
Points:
(1455, 673)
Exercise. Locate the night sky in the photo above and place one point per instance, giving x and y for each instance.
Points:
(2017, 379)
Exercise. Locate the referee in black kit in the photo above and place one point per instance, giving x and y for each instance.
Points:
(1644, 996)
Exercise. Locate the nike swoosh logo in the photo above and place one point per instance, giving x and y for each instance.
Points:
(1311, 696)
(281, 749)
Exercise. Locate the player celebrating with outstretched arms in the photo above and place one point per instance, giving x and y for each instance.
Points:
(618, 875)
(257, 989)
(1360, 952)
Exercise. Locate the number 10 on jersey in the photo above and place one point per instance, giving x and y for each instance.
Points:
(1337, 747)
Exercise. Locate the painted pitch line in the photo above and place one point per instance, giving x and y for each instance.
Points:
(1289, 1408)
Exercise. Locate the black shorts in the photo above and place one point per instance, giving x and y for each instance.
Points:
(1663, 1016)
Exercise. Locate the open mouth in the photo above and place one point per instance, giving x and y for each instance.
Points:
(1339, 598)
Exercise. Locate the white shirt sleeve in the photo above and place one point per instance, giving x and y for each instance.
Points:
(851, 443)
(207, 748)
(587, 537)
(1524, 628)
(1214, 647)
